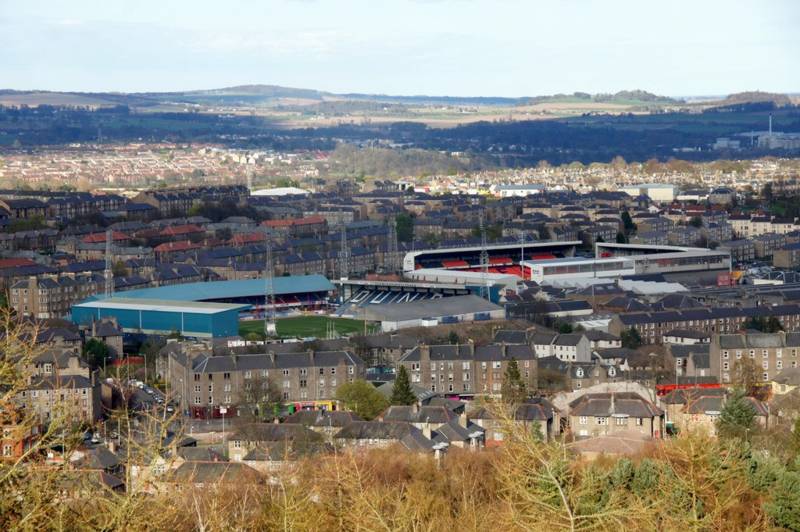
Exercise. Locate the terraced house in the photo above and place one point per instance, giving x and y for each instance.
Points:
(203, 382)
(52, 296)
(466, 369)
(772, 353)
(652, 326)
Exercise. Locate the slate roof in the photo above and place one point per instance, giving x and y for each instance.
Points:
(624, 403)
(223, 363)
(511, 336)
(267, 432)
(411, 414)
(376, 430)
(211, 472)
(318, 418)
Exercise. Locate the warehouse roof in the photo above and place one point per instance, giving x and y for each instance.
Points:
(233, 289)
(160, 305)
(431, 308)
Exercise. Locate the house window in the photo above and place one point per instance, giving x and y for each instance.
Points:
(227, 399)
(197, 376)
(197, 389)
(227, 387)
(351, 369)
(779, 364)
(210, 388)
(602, 420)
(322, 371)
(764, 353)
(264, 373)
(739, 353)
(752, 353)
(286, 373)
(248, 374)
(579, 373)
(779, 353)
(621, 421)
(303, 383)
(496, 365)
(765, 376)
(639, 422)
(237, 444)
(210, 400)
(433, 366)
(725, 366)
(724, 354)
(303, 372)
(227, 376)
(415, 366)
(765, 364)
(583, 420)
(465, 365)
(333, 371)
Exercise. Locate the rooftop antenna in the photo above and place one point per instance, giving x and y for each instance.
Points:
(109, 273)
(344, 256)
(270, 329)
(392, 246)
(484, 259)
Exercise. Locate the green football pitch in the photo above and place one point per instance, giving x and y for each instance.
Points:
(304, 326)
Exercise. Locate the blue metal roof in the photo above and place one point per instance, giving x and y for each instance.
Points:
(298, 284)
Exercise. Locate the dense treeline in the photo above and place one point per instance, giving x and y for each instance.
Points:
(521, 143)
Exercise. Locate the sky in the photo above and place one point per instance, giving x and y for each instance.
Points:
(403, 47)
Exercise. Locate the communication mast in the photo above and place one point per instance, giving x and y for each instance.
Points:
(392, 248)
(270, 329)
(109, 272)
(484, 259)
(344, 256)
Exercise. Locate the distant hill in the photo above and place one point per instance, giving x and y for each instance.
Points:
(276, 94)
(780, 100)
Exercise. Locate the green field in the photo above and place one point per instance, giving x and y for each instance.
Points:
(304, 326)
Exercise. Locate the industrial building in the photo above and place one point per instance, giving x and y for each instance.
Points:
(578, 268)
(157, 316)
(660, 192)
(299, 292)
(674, 262)
(432, 312)
(503, 258)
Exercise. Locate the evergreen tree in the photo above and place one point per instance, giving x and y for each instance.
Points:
(631, 338)
(402, 393)
(95, 352)
(627, 223)
(784, 504)
(513, 389)
(737, 418)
